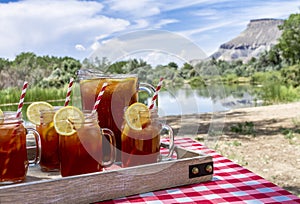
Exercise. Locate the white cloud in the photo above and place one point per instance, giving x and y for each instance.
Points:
(164, 22)
(52, 26)
(189, 33)
(168, 5)
(271, 9)
(155, 57)
(95, 46)
(206, 12)
(140, 24)
(149, 43)
(102, 36)
(141, 8)
(80, 47)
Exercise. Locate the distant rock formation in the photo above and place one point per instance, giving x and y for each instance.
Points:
(260, 35)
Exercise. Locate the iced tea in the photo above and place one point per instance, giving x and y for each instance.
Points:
(140, 146)
(50, 142)
(13, 153)
(141, 136)
(81, 152)
(120, 93)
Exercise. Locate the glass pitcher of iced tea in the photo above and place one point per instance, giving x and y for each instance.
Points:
(81, 151)
(121, 92)
(141, 136)
(13, 151)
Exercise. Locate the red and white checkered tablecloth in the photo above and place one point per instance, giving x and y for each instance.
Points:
(231, 184)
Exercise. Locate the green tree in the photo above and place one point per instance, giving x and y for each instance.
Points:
(173, 65)
(61, 74)
(186, 70)
(27, 58)
(289, 42)
(117, 67)
(291, 75)
(4, 64)
(133, 64)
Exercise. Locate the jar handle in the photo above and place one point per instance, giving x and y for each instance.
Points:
(149, 89)
(169, 130)
(107, 133)
(37, 146)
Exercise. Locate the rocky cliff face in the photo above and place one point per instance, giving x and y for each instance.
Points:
(260, 35)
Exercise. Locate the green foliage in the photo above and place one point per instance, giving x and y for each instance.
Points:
(173, 65)
(9, 95)
(230, 78)
(236, 143)
(178, 82)
(196, 82)
(267, 61)
(289, 43)
(117, 67)
(12, 95)
(258, 78)
(291, 75)
(186, 71)
(37, 70)
(274, 92)
(62, 74)
(96, 63)
(133, 64)
(246, 128)
(263, 77)
(288, 133)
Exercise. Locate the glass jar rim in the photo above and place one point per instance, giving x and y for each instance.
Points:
(55, 108)
(89, 116)
(95, 74)
(10, 117)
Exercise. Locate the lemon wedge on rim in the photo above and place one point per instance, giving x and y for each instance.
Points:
(67, 120)
(137, 116)
(1, 116)
(34, 109)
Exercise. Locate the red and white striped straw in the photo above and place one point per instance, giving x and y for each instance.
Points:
(99, 97)
(21, 102)
(154, 98)
(69, 92)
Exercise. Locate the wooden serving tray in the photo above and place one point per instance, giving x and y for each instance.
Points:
(40, 187)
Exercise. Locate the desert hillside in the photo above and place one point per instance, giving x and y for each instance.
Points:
(260, 35)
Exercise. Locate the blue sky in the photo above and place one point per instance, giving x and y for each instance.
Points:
(76, 28)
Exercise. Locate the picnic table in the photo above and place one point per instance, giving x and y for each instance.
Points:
(231, 183)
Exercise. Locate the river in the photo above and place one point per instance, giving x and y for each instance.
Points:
(190, 101)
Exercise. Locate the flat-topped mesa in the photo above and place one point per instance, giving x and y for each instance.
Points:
(264, 20)
(260, 35)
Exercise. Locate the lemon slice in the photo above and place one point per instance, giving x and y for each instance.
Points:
(34, 109)
(50, 133)
(67, 120)
(137, 116)
(1, 116)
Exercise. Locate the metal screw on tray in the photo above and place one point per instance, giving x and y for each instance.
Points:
(209, 168)
(195, 170)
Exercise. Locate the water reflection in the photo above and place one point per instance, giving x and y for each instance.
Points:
(183, 101)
